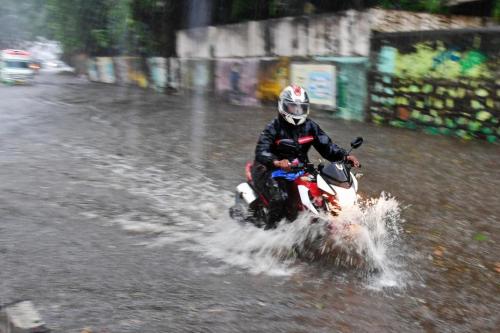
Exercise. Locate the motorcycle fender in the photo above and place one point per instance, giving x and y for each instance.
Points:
(304, 198)
(246, 192)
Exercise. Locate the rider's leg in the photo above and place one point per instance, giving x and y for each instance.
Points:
(292, 208)
(278, 197)
(274, 191)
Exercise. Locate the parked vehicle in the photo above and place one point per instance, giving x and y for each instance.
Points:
(15, 66)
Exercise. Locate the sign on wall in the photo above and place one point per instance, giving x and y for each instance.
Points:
(318, 80)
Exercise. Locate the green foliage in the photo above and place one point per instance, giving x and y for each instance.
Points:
(80, 25)
(148, 26)
(432, 6)
(496, 10)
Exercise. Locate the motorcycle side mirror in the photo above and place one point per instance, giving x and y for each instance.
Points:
(356, 142)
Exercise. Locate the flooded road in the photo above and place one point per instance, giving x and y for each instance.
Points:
(114, 203)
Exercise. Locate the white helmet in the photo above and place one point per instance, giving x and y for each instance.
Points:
(293, 105)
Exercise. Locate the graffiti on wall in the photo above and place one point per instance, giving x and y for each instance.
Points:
(463, 108)
(105, 69)
(319, 80)
(158, 72)
(273, 77)
(136, 71)
(121, 70)
(92, 72)
(236, 81)
(436, 62)
(174, 73)
(439, 87)
(196, 74)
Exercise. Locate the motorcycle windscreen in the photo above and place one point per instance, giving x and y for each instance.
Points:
(336, 174)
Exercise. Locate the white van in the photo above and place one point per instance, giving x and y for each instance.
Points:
(15, 66)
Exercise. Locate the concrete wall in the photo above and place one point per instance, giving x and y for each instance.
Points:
(345, 34)
(340, 34)
(443, 82)
(383, 20)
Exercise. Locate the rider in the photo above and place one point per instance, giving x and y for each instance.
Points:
(291, 123)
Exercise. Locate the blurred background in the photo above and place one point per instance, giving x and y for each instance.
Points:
(125, 126)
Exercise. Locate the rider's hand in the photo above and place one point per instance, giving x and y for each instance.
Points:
(283, 164)
(353, 160)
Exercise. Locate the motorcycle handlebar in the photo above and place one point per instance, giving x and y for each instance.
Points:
(350, 165)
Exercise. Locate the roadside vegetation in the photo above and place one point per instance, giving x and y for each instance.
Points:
(147, 27)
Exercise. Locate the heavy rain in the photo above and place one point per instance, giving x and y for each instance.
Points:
(125, 131)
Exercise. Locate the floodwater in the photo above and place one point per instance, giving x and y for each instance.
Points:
(114, 201)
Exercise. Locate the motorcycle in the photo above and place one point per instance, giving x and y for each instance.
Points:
(322, 190)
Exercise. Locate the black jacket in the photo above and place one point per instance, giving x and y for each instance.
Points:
(307, 134)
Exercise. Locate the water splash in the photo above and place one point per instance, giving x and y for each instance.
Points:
(203, 225)
(280, 251)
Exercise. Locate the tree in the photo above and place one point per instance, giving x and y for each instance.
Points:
(21, 20)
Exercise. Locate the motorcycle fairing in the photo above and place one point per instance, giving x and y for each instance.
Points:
(346, 197)
(323, 185)
(304, 198)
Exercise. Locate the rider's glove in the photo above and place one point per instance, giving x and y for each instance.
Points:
(353, 160)
(283, 164)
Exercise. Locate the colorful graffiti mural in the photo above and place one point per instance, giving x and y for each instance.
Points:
(319, 80)
(273, 77)
(438, 86)
(236, 80)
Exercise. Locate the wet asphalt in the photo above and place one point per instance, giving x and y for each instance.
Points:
(92, 176)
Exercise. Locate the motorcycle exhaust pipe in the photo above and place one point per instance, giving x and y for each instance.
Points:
(246, 192)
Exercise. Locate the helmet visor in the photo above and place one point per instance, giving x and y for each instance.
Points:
(295, 109)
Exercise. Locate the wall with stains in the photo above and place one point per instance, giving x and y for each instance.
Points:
(383, 20)
(340, 34)
(345, 34)
(444, 82)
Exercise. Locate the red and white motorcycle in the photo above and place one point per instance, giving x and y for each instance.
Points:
(323, 191)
